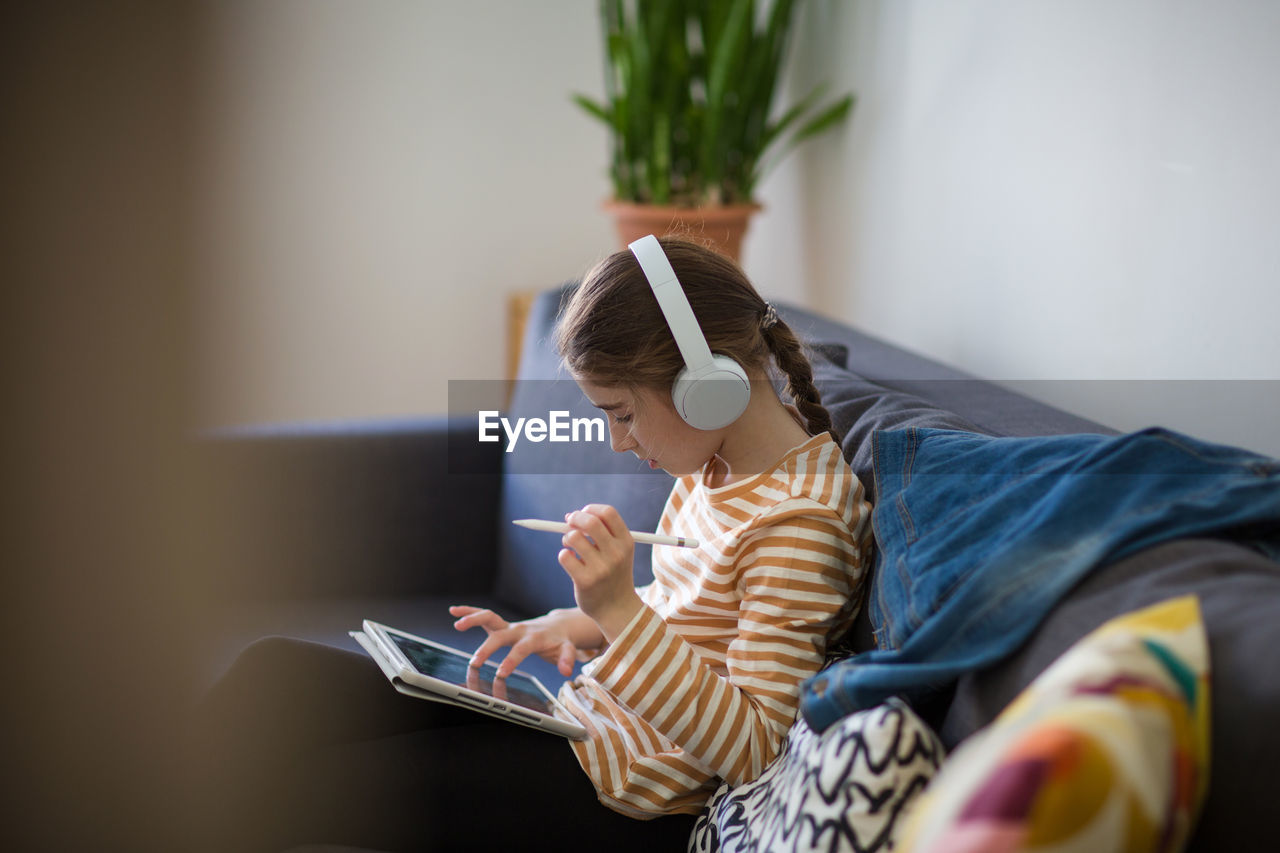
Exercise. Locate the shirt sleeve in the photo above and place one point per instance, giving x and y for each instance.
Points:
(795, 580)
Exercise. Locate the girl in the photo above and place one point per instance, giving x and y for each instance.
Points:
(699, 672)
(690, 680)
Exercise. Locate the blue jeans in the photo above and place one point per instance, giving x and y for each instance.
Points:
(980, 537)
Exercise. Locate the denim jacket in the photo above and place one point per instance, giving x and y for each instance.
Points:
(980, 537)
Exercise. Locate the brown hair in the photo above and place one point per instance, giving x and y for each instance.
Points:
(613, 332)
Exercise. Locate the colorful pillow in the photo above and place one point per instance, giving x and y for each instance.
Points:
(1108, 749)
(843, 790)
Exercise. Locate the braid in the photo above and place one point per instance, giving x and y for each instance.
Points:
(792, 361)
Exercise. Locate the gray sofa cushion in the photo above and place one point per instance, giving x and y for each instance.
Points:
(990, 407)
(860, 407)
(1239, 592)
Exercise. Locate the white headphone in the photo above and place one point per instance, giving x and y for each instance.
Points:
(712, 390)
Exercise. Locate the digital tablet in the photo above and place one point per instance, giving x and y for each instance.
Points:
(429, 670)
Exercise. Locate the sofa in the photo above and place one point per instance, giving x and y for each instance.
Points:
(394, 520)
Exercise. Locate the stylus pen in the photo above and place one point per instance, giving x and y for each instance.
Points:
(644, 538)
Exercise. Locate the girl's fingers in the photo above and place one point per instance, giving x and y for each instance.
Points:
(473, 616)
(509, 663)
(570, 561)
(599, 527)
(561, 653)
(518, 653)
(490, 645)
(523, 639)
(589, 523)
(567, 654)
(461, 610)
(578, 541)
(607, 516)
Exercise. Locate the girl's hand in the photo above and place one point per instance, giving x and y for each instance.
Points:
(556, 637)
(598, 555)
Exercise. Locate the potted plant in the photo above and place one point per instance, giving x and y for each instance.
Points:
(689, 97)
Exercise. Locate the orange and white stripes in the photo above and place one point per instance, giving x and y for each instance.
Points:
(704, 683)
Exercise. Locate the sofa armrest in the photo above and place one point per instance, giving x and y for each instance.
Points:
(353, 508)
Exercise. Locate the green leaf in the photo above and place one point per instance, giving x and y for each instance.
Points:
(828, 118)
(724, 58)
(764, 61)
(824, 121)
(594, 108)
(776, 130)
(689, 93)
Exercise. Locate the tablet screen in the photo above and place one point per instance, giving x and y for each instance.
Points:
(518, 689)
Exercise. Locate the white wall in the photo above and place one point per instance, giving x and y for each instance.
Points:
(1036, 190)
(382, 175)
(1057, 190)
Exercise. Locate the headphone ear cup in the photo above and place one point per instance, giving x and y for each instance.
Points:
(713, 397)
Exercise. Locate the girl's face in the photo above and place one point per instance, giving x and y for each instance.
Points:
(645, 422)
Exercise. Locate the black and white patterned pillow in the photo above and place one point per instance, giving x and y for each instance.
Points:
(842, 790)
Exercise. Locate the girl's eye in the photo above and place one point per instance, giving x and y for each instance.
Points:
(622, 419)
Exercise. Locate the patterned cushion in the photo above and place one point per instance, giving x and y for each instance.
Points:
(1108, 749)
(843, 790)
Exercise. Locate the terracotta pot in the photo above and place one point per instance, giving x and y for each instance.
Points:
(721, 227)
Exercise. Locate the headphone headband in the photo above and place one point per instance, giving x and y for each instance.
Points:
(712, 390)
(674, 304)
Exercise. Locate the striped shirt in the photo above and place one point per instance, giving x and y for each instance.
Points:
(703, 684)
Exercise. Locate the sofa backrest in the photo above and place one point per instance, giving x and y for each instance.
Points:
(989, 407)
(865, 383)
